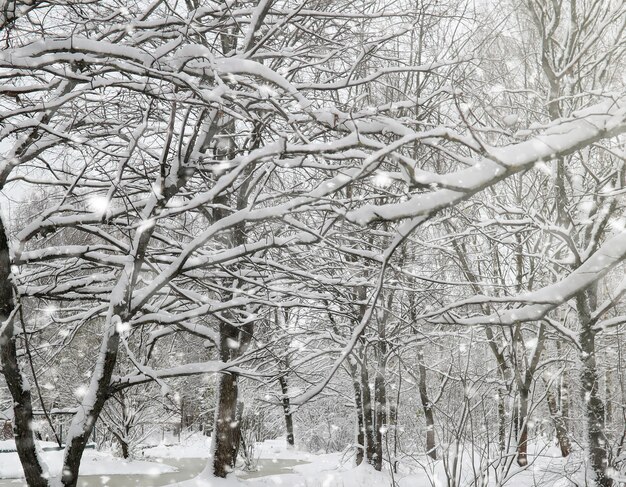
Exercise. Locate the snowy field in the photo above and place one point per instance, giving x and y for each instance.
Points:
(94, 463)
(183, 465)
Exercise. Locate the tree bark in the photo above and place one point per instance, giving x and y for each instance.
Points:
(368, 415)
(380, 389)
(226, 425)
(522, 441)
(608, 391)
(358, 401)
(594, 407)
(501, 419)
(89, 411)
(564, 395)
(234, 340)
(123, 445)
(431, 446)
(524, 385)
(380, 395)
(287, 410)
(15, 378)
(559, 424)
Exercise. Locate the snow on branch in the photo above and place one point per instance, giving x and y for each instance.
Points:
(209, 367)
(601, 121)
(537, 304)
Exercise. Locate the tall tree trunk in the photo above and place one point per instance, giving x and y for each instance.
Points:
(226, 425)
(234, 340)
(380, 389)
(522, 439)
(358, 402)
(501, 418)
(608, 391)
(393, 419)
(287, 410)
(84, 420)
(524, 385)
(15, 379)
(515, 419)
(559, 409)
(431, 447)
(380, 395)
(563, 391)
(123, 445)
(368, 415)
(594, 407)
(559, 424)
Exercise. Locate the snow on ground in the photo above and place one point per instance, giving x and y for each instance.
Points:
(314, 475)
(546, 469)
(9, 445)
(195, 446)
(316, 470)
(279, 450)
(281, 466)
(94, 463)
(199, 446)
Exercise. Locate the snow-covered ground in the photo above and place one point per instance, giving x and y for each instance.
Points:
(94, 463)
(303, 469)
(546, 469)
(194, 446)
(283, 466)
(315, 470)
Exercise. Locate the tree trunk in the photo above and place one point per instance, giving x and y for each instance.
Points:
(608, 391)
(89, 411)
(393, 427)
(515, 417)
(563, 393)
(226, 425)
(368, 415)
(125, 452)
(522, 439)
(559, 424)
(380, 389)
(358, 401)
(234, 340)
(431, 447)
(393, 419)
(287, 410)
(594, 407)
(380, 395)
(501, 418)
(15, 379)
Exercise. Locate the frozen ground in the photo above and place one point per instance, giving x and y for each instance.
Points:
(303, 470)
(546, 469)
(94, 463)
(193, 446)
(183, 465)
